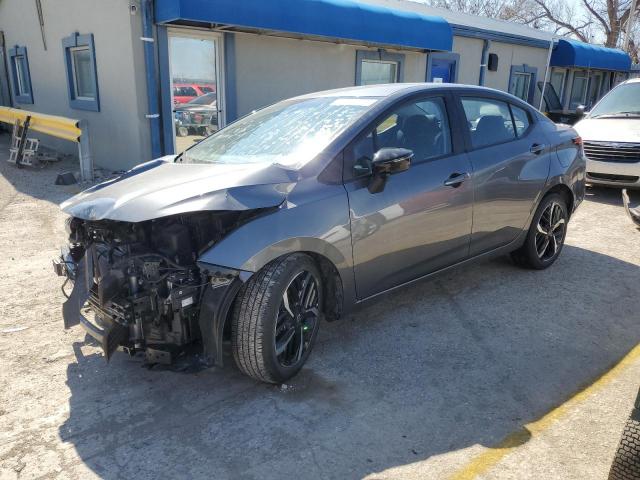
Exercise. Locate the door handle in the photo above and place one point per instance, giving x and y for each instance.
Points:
(537, 148)
(456, 179)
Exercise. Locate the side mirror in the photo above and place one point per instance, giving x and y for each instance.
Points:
(388, 161)
(581, 110)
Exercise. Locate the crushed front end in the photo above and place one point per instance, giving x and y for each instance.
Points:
(139, 286)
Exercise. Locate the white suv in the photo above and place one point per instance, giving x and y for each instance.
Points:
(611, 136)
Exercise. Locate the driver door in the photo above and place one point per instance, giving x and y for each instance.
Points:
(421, 221)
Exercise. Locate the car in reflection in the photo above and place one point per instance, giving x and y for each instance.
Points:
(185, 92)
(611, 135)
(306, 210)
(197, 117)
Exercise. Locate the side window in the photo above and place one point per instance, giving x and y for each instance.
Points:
(489, 121)
(422, 127)
(190, 91)
(522, 120)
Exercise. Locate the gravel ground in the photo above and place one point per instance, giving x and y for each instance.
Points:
(413, 386)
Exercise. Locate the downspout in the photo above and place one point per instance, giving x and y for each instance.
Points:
(483, 61)
(148, 41)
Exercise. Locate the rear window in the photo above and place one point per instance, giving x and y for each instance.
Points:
(489, 121)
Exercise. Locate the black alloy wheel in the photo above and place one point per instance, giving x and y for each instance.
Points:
(298, 316)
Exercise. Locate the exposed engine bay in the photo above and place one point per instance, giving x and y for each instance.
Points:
(143, 283)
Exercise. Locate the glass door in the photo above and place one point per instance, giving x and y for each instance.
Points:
(196, 87)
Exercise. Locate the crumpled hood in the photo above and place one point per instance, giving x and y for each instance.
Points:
(609, 129)
(160, 188)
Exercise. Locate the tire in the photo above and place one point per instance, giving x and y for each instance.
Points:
(626, 462)
(263, 319)
(544, 231)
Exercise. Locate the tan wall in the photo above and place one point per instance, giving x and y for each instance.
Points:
(269, 69)
(509, 55)
(470, 51)
(119, 132)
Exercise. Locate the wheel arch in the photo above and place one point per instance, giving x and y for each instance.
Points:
(566, 193)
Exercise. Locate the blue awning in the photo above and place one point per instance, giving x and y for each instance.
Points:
(346, 20)
(571, 53)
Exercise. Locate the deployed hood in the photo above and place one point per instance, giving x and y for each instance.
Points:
(609, 129)
(160, 188)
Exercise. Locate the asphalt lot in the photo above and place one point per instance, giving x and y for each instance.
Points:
(427, 383)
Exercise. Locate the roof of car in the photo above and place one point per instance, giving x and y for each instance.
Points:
(385, 90)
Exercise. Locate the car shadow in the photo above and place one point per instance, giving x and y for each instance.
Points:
(464, 359)
(604, 195)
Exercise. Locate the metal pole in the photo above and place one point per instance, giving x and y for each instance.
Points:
(148, 40)
(84, 152)
(630, 22)
(546, 73)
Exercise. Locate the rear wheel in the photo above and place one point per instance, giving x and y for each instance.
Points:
(626, 463)
(546, 235)
(276, 319)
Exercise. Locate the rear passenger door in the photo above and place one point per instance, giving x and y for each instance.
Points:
(511, 160)
(421, 221)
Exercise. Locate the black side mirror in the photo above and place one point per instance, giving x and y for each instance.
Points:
(580, 110)
(388, 161)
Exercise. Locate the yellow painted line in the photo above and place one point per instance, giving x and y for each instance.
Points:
(492, 456)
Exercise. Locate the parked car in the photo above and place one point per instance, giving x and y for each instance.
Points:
(185, 92)
(611, 135)
(198, 116)
(307, 209)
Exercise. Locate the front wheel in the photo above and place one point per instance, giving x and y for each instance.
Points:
(546, 235)
(276, 319)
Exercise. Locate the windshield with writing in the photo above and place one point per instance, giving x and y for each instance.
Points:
(289, 133)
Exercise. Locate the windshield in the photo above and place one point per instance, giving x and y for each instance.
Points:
(289, 133)
(206, 99)
(621, 101)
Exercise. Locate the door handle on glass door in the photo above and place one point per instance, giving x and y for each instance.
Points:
(456, 179)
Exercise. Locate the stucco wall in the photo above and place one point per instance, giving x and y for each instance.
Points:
(269, 69)
(470, 51)
(119, 132)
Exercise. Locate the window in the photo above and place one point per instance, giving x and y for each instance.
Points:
(378, 67)
(489, 121)
(422, 127)
(82, 78)
(374, 72)
(594, 89)
(185, 92)
(521, 119)
(522, 82)
(557, 80)
(20, 75)
(578, 89)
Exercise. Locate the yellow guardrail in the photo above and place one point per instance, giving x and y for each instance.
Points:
(60, 127)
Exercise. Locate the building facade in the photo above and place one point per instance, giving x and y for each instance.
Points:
(129, 67)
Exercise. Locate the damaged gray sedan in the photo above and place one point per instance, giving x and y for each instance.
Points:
(304, 210)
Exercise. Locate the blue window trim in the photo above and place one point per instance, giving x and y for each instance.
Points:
(72, 41)
(534, 79)
(381, 56)
(454, 57)
(13, 53)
